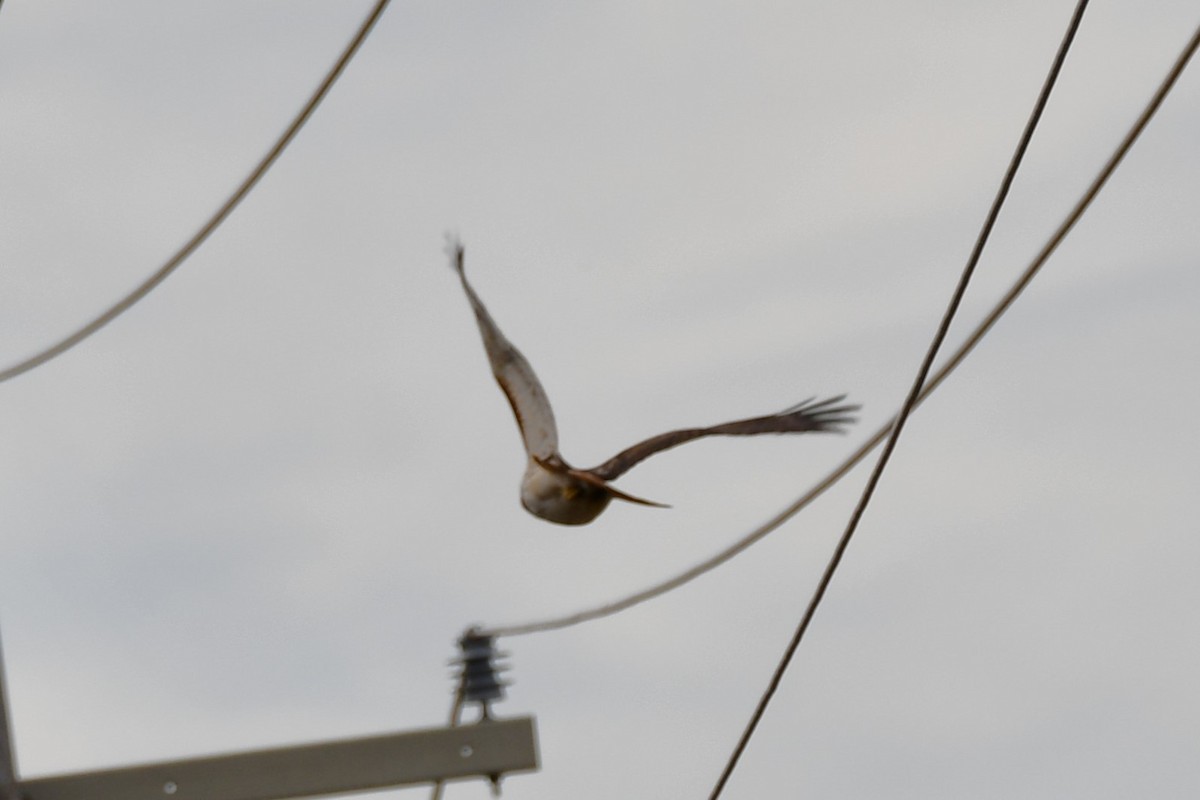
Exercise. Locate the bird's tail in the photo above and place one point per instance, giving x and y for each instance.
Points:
(641, 501)
(588, 477)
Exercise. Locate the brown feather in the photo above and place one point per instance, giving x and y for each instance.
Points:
(806, 417)
(512, 371)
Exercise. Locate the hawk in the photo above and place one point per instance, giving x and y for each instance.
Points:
(554, 490)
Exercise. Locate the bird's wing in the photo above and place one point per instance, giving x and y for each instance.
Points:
(826, 416)
(525, 394)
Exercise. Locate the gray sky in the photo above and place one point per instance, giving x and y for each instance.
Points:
(259, 507)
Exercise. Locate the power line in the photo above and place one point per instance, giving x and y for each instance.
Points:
(910, 401)
(239, 194)
(977, 334)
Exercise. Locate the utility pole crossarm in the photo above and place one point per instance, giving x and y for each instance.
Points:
(349, 765)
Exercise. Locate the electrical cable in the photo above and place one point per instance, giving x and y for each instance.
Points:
(216, 219)
(977, 334)
(9, 786)
(910, 401)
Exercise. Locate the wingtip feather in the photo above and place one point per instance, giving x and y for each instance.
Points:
(827, 415)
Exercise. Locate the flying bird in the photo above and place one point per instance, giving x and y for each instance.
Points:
(554, 490)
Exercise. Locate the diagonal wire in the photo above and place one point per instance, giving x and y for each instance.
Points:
(977, 334)
(9, 785)
(939, 337)
(239, 194)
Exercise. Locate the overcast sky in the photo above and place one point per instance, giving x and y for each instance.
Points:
(259, 508)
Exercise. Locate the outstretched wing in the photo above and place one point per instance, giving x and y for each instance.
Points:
(827, 416)
(525, 394)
